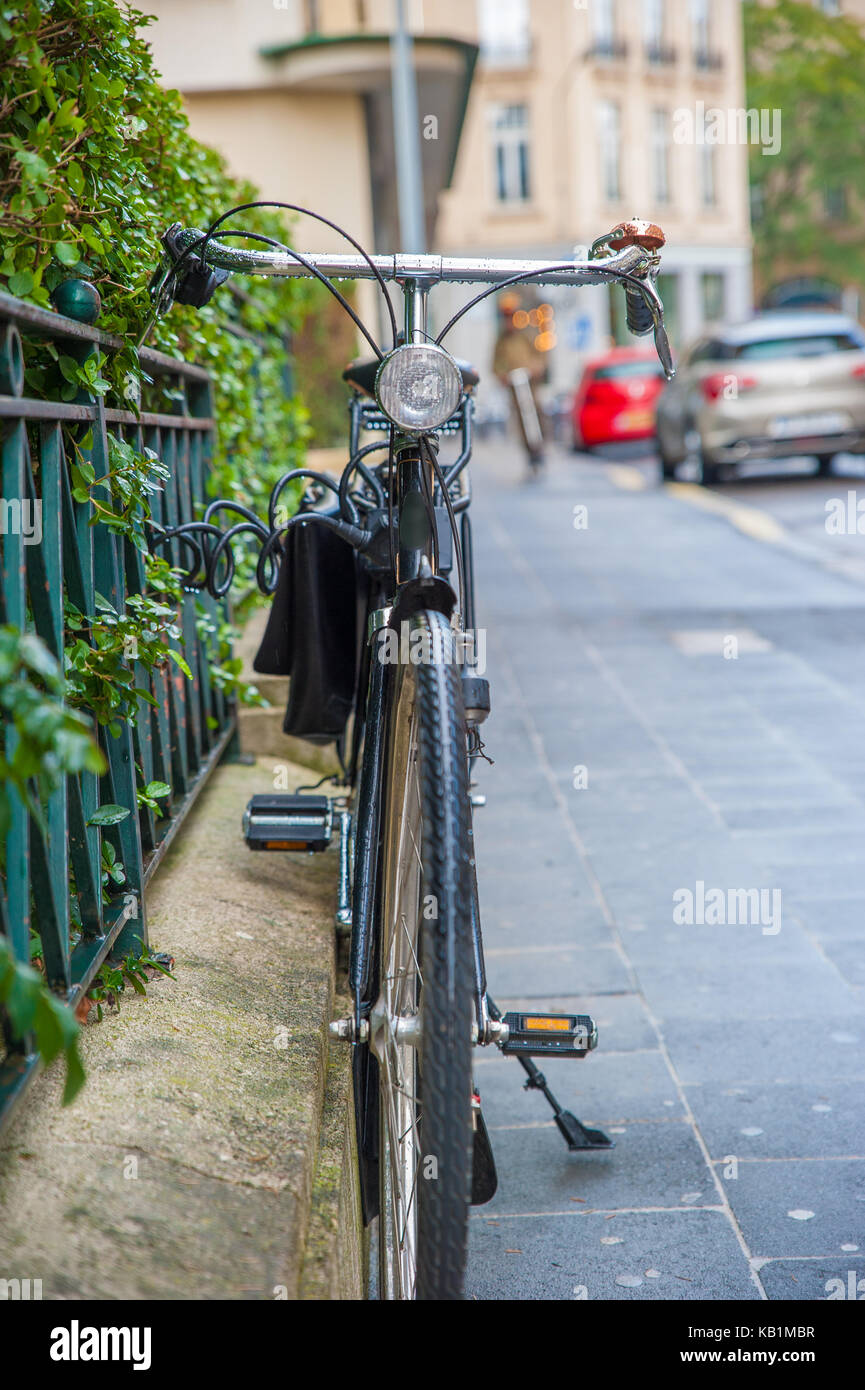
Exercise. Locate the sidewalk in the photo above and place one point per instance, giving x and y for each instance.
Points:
(205, 1158)
(730, 1070)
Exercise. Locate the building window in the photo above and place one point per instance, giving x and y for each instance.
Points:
(658, 51)
(511, 156)
(712, 289)
(660, 137)
(700, 26)
(705, 57)
(708, 189)
(653, 23)
(610, 144)
(605, 44)
(604, 22)
(505, 31)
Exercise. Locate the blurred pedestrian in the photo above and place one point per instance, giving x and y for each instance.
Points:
(521, 368)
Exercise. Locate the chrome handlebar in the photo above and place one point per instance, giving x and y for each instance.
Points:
(631, 263)
(633, 260)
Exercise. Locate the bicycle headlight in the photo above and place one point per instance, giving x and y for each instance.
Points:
(418, 386)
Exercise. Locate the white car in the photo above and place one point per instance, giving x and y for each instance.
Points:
(780, 385)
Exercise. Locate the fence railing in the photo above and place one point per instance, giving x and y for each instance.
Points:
(176, 740)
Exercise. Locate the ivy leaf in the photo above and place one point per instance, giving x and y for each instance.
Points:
(75, 178)
(66, 253)
(181, 662)
(21, 283)
(109, 814)
(157, 789)
(75, 1076)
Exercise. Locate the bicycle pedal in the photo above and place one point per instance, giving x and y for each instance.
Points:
(288, 822)
(548, 1035)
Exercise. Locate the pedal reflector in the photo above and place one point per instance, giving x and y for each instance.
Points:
(549, 1035)
(300, 823)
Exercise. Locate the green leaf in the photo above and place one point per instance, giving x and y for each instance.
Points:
(157, 789)
(181, 662)
(21, 283)
(75, 1076)
(109, 814)
(66, 253)
(75, 178)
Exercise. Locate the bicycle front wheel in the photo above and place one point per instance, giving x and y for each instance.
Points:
(421, 1024)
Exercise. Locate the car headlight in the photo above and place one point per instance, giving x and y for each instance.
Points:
(418, 386)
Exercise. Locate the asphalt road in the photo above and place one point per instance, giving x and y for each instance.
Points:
(678, 687)
(787, 490)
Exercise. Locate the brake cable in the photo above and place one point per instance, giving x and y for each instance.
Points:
(318, 217)
(620, 275)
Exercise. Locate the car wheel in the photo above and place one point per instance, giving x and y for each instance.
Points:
(668, 467)
(824, 465)
(708, 474)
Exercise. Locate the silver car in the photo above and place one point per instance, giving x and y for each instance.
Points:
(780, 385)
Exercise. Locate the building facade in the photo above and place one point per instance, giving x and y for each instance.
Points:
(296, 94)
(577, 114)
(584, 113)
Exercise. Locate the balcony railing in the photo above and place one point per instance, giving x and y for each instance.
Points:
(608, 49)
(660, 55)
(708, 60)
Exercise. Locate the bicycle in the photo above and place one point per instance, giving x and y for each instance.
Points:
(407, 725)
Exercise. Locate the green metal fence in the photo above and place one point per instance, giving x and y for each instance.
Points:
(177, 740)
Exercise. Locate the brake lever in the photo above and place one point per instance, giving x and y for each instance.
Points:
(182, 277)
(655, 305)
(637, 232)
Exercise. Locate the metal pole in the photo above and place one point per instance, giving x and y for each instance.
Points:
(406, 135)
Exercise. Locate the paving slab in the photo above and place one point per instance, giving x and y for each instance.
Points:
(799, 1206)
(662, 1256)
(781, 1120)
(840, 1279)
(604, 652)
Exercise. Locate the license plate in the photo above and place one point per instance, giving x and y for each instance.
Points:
(635, 420)
(803, 426)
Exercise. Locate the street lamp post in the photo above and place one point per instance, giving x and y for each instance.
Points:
(406, 133)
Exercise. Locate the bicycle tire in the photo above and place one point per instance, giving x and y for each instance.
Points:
(426, 974)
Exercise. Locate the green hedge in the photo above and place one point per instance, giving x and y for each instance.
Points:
(96, 159)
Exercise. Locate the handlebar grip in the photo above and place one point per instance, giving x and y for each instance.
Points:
(640, 319)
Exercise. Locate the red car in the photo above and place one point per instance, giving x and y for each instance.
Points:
(616, 398)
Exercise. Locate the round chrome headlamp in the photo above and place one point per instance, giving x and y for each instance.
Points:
(418, 386)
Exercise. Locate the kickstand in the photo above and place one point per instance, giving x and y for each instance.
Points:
(576, 1135)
